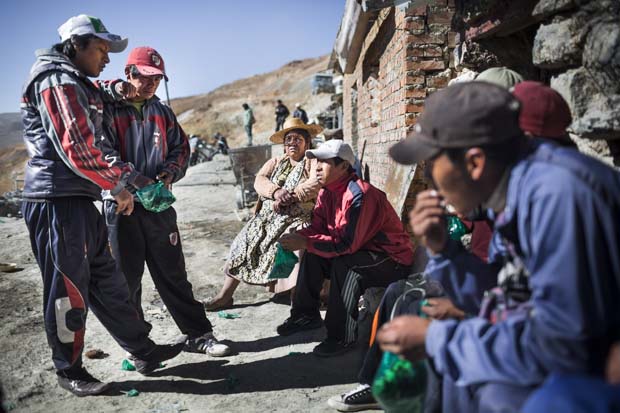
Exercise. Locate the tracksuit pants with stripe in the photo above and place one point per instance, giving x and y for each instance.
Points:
(154, 238)
(70, 243)
(350, 275)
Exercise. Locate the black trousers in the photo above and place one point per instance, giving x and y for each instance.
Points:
(70, 243)
(350, 275)
(280, 122)
(154, 238)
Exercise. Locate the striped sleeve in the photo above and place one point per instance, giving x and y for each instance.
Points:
(64, 109)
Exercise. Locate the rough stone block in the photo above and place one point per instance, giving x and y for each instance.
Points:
(602, 52)
(559, 44)
(594, 110)
(546, 8)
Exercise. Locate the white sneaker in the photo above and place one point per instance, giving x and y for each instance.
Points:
(360, 398)
(207, 344)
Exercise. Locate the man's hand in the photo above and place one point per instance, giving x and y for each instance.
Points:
(166, 177)
(284, 196)
(427, 220)
(404, 336)
(126, 90)
(442, 308)
(613, 365)
(293, 242)
(141, 181)
(124, 201)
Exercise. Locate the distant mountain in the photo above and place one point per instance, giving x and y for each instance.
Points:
(220, 110)
(10, 129)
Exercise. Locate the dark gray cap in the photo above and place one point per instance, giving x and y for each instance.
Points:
(460, 116)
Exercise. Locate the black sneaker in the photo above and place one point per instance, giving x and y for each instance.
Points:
(81, 383)
(150, 362)
(331, 347)
(358, 399)
(299, 323)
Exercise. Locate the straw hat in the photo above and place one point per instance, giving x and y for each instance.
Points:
(295, 123)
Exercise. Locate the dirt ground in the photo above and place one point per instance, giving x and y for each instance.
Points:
(266, 372)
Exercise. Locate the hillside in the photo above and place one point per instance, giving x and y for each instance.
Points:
(217, 111)
(220, 110)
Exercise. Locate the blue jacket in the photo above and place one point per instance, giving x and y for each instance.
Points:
(562, 216)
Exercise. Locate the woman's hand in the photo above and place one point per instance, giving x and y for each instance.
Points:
(442, 308)
(284, 196)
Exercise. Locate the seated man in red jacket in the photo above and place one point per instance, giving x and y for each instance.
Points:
(356, 239)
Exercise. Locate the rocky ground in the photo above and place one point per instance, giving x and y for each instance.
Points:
(266, 373)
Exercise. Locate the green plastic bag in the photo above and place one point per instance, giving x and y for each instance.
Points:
(283, 264)
(456, 228)
(155, 197)
(400, 385)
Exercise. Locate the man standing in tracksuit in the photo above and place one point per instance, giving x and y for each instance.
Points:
(145, 133)
(62, 113)
(355, 239)
(558, 212)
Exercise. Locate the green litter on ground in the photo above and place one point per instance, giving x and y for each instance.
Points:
(225, 314)
(132, 393)
(8, 406)
(127, 366)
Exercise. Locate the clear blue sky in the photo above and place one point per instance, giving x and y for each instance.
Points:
(205, 43)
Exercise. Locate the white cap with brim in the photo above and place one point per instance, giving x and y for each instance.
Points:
(83, 24)
(333, 149)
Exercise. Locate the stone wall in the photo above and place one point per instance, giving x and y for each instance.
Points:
(580, 42)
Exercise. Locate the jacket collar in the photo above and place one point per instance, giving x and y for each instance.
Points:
(341, 184)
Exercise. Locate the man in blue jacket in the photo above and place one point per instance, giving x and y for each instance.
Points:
(557, 211)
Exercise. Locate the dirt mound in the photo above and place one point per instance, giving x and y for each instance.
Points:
(221, 111)
(12, 160)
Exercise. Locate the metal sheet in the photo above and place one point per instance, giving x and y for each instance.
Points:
(398, 184)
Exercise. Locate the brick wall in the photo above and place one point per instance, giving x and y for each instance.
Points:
(406, 56)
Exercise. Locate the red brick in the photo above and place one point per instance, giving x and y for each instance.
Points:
(414, 107)
(416, 11)
(412, 92)
(414, 23)
(433, 51)
(410, 120)
(418, 39)
(415, 51)
(426, 65)
(440, 16)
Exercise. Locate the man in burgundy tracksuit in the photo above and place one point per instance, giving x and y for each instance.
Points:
(356, 239)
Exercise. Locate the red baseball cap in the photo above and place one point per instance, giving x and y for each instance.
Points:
(147, 60)
(544, 112)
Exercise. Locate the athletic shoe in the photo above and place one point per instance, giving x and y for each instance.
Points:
(207, 344)
(150, 362)
(355, 400)
(299, 323)
(331, 347)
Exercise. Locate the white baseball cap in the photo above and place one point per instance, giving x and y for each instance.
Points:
(333, 149)
(83, 24)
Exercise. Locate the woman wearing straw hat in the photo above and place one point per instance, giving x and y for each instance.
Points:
(287, 187)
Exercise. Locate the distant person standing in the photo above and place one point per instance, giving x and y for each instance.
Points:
(248, 121)
(282, 113)
(300, 113)
(62, 112)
